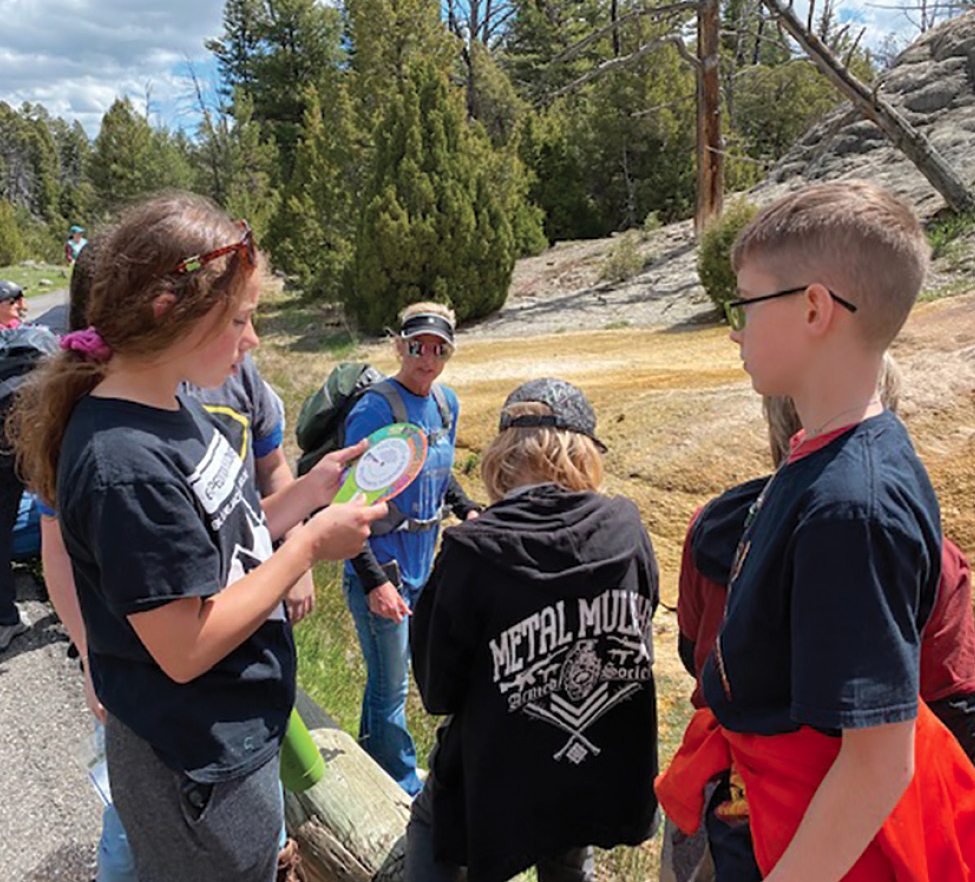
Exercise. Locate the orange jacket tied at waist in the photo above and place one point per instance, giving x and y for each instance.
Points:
(929, 837)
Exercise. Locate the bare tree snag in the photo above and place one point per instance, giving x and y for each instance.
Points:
(615, 63)
(710, 153)
(928, 161)
(669, 11)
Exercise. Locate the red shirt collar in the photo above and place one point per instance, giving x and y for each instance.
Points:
(800, 447)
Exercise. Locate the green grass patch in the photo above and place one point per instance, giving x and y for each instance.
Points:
(304, 325)
(943, 232)
(29, 276)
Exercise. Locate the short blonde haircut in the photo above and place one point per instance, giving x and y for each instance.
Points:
(538, 455)
(852, 237)
(425, 307)
(428, 308)
(783, 421)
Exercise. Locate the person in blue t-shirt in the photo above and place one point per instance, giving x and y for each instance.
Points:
(382, 584)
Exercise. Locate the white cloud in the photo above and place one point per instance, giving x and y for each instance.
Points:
(77, 56)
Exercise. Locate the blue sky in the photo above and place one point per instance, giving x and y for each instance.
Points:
(76, 56)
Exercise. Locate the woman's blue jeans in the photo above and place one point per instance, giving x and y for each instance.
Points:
(386, 650)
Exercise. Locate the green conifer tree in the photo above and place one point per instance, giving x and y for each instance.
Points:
(431, 227)
(131, 159)
(312, 233)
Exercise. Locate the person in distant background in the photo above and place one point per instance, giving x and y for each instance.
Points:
(76, 241)
(13, 305)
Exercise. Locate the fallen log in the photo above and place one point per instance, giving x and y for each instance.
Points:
(351, 825)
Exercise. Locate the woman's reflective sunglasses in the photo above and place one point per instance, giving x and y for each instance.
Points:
(734, 310)
(245, 246)
(416, 349)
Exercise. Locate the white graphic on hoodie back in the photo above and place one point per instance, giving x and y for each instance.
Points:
(571, 663)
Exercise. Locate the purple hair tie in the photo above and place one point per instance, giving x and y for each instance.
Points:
(89, 343)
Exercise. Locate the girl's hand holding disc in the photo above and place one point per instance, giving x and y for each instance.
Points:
(339, 531)
(329, 471)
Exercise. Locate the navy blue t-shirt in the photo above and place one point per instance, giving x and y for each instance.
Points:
(836, 575)
(156, 505)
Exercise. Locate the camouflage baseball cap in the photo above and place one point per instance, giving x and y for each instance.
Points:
(570, 408)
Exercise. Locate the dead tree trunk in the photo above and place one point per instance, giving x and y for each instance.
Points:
(902, 134)
(710, 154)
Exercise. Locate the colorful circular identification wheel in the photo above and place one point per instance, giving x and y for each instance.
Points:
(393, 459)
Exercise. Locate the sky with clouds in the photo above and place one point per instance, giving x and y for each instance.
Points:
(76, 56)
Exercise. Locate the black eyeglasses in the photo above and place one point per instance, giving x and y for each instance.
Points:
(246, 246)
(734, 310)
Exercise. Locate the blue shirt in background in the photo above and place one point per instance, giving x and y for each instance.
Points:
(424, 498)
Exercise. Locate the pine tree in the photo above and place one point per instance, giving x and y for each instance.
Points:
(131, 159)
(12, 248)
(269, 53)
(251, 171)
(539, 32)
(387, 37)
(556, 180)
(312, 234)
(430, 227)
(77, 194)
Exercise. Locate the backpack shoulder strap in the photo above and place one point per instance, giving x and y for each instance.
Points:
(446, 417)
(387, 389)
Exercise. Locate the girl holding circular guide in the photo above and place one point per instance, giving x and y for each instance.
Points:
(189, 647)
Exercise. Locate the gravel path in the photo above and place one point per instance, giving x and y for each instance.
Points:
(49, 814)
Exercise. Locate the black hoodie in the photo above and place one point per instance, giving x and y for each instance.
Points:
(534, 631)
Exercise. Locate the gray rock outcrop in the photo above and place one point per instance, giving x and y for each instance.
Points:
(932, 83)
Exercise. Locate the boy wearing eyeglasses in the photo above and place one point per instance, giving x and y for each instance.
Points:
(812, 685)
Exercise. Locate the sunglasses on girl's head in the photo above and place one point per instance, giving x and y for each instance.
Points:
(734, 310)
(416, 349)
(245, 246)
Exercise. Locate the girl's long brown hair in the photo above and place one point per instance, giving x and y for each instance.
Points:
(135, 264)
